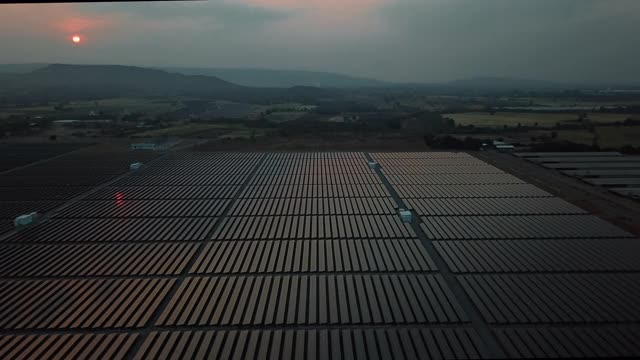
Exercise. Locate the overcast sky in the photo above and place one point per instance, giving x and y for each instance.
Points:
(397, 40)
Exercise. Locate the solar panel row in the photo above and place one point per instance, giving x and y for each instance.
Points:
(312, 299)
(307, 168)
(553, 265)
(585, 159)
(519, 227)
(555, 298)
(45, 185)
(470, 191)
(492, 206)
(453, 179)
(304, 256)
(570, 342)
(459, 169)
(181, 180)
(567, 154)
(86, 181)
(315, 179)
(164, 193)
(608, 169)
(337, 344)
(16, 155)
(314, 206)
(345, 157)
(66, 346)
(225, 164)
(40, 193)
(265, 260)
(557, 255)
(80, 303)
(314, 191)
(120, 207)
(10, 209)
(402, 158)
(58, 260)
(595, 166)
(368, 255)
(99, 230)
(313, 227)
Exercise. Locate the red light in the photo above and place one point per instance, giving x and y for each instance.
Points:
(119, 199)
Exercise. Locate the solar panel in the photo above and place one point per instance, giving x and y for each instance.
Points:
(304, 255)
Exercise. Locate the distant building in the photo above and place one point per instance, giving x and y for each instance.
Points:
(503, 146)
(83, 123)
(157, 144)
(145, 146)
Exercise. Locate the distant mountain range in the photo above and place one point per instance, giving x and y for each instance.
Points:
(280, 78)
(249, 77)
(20, 68)
(509, 84)
(499, 83)
(94, 81)
(240, 83)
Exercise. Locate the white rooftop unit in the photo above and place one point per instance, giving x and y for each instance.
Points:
(135, 166)
(26, 219)
(406, 215)
(145, 146)
(505, 147)
(373, 165)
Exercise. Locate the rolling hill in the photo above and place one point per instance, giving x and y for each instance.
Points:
(280, 78)
(100, 81)
(246, 77)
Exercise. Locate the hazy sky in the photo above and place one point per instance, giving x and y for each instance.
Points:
(400, 40)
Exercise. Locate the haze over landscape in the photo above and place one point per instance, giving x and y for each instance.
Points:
(320, 179)
(391, 40)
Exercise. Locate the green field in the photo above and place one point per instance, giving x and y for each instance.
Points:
(210, 131)
(608, 137)
(245, 133)
(187, 130)
(548, 101)
(82, 108)
(285, 116)
(512, 119)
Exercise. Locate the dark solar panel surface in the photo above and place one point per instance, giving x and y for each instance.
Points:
(594, 165)
(568, 154)
(587, 159)
(632, 192)
(46, 185)
(603, 173)
(303, 255)
(17, 155)
(625, 181)
(606, 169)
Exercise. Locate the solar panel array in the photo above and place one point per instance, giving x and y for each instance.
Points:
(16, 155)
(621, 174)
(303, 255)
(547, 279)
(43, 186)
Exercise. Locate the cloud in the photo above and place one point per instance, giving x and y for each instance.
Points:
(335, 6)
(28, 33)
(577, 40)
(403, 40)
(214, 11)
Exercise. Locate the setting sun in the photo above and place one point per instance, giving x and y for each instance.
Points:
(76, 39)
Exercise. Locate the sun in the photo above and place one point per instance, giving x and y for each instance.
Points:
(76, 39)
